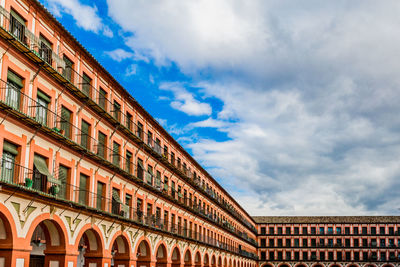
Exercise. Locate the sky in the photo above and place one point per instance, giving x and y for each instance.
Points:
(292, 106)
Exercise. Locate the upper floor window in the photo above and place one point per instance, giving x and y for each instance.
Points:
(85, 134)
(117, 111)
(69, 69)
(116, 154)
(65, 123)
(17, 26)
(13, 89)
(101, 145)
(86, 84)
(8, 164)
(43, 102)
(102, 99)
(45, 50)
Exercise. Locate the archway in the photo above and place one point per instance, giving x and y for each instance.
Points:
(48, 244)
(206, 260)
(143, 253)
(121, 252)
(6, 240)
(90, 249)
(284, 265)
(267, 265)
(188, 258)
(225, 264)
(176, 258)
(161, 256)
(213, 261)
(300, 265)
(219, 263)
(197, 259)
(234, 263)
(230, 263)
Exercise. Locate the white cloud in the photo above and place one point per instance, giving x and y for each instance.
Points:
(85, 16)
(131, 70)
(312, 88)
(184, 101)
(119, 54)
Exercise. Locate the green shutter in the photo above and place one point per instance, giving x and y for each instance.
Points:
(45, 41)
(14, 78)
(102, 138)
(85, 127)
(41, 166)
(115, 196)
(43, 96)
(17, 17)
(10, 148)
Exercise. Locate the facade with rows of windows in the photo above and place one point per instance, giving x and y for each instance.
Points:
(357, 241)
(88, 177)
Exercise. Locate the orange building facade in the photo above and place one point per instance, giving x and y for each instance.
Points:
(88, 177)
(356, 241)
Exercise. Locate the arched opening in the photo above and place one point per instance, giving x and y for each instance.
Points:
(6, 240)
(197, 259)
(176, 258)
(120, 252)
(206, 260)
(213, 261)
(48, 244)
(90, 249)
(300, 265)
(219, 263)
(188, 259)
(161, 256)
(234, 263)
(225, 263)
(230, 263)
(267, 265)
(143, 254)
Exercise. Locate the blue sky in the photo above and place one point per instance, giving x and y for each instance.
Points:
(293, 108)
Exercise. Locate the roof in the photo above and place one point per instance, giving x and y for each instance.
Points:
(326, 219)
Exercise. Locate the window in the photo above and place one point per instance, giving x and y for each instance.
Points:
(355, 230)
(83, 183)
(304, 231)
(157, 146)
(42, 105)
(99, 196)
(140, 169)
(338, 256)
(116, 201)
(150, 138)
(45, 51)
(296, 242)
(166, 183)
(271, 243)
(263, 243)
(288, 255)
(305, 255)
(347, 242)
(140, 130)
(271, 255)
(313, 230)
(65, 124)
(10, 152)
(117, 111)
(364, 230)
(263, 255)
(271, 230)
(158, 179)
(86, 84)
(102, 99)
(179, 163)
(41, 173)
(128, 205)
(128, 162)
(296, 230)
(321, 230)
(63, 173)
(69, 69)
(373, 230)
(338, 230)
(149, 175)
(356, 243)
(279, 230)
(101, 146)
(382, 230)
(347, 230)
(322, 255)
(305, 242)
(116, 156)
(330, 255)
(288, 230)
(85, 134)
(263, 230)
(172, 158)
(165, 151)
(129, 120)
(288, 243)
(17, 26)
(13, 89)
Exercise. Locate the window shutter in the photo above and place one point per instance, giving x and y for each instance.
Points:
(45, 41)
(85, 128)
(43, 96)
(10, 148)
(17, 17)
(14, 78)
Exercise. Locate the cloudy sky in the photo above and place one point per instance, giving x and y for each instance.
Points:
(293, 106)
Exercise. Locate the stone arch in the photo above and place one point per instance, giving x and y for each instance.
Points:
(213, 261)
(197, 259)
(300, 265)
(269, 265)
(176, 257)
(187, 258)
(7, 236)
(388, 265)
(90, 245)
(143, 252)
(283, 265)
(47, 237)
(230, 262)
(121, 250)
(206, 260)
(219, 262)
(234, 263)
(161, 254)
(225, 262)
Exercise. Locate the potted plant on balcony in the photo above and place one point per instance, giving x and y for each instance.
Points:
(28, 182)
(54, 189)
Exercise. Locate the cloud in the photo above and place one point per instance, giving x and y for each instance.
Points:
(131, 70)
(85, 16)
(185, 101)
(312, 89)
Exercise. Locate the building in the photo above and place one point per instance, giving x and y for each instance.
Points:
(88, 177)
(342, 241)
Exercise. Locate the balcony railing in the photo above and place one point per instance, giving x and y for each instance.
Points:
(53, 186)
(41, 50)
